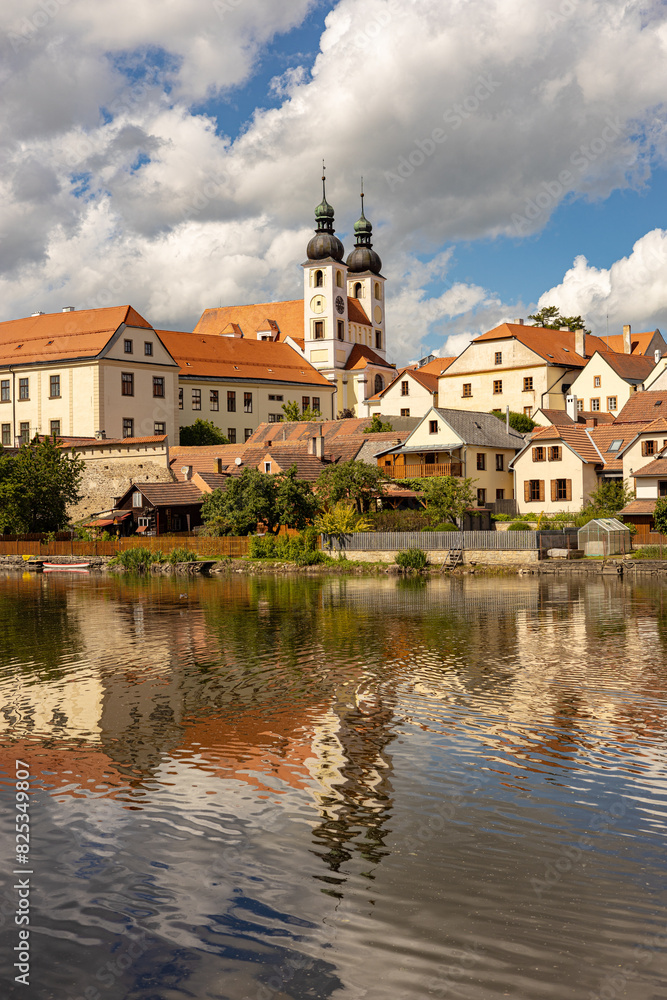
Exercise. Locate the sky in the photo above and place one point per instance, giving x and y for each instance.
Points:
(167, 154)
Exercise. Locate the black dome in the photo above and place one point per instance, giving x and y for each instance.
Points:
(323, 245)
(364, 258)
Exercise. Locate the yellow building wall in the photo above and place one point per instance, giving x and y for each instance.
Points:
(143, 408)
(611, 385)
(583, 476)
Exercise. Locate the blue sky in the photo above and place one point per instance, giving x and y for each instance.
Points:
(172, 161)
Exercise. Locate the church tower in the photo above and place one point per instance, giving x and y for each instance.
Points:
(364, 280)
(325, 295)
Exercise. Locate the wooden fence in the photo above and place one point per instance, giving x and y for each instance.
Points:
(203, 546)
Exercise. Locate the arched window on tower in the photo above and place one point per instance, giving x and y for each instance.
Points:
(377, 289)
(357, 290)
(339, 279)
(319, 279)
(379, 383)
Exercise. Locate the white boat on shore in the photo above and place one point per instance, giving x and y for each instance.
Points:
(77, 567)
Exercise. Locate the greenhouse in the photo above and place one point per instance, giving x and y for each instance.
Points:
(605, 536)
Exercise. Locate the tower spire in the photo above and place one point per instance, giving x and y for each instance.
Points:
(324, 243)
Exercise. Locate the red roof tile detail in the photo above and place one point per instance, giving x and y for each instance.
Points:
(64, 335)
(578, 438)
(644, 406)
(555, 346)
(249, 318)
(356, 312)
(639, 342)
(634, 367)
(639, 507)
(361, 356)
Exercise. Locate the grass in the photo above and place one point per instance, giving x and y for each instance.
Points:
(412, 559)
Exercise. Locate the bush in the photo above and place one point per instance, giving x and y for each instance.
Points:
(412, 559)
(300, 549)
(399, 520)
(519, 526)
(446, 526)
(650, 552)
(136, 560)
(181, 555)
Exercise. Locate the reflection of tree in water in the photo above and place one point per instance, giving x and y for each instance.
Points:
(37, 630)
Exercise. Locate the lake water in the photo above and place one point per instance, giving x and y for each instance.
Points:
(270, 788)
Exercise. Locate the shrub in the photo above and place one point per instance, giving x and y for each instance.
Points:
(399, 520)
(519, 526)
(301, 549)
(412, 559)
(650, 552)
(181, 555)
(136, 560)
(446, 526)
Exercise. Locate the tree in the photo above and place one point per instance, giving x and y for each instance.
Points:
(550, 318)
(342, 519)
(447, 498)
(354, 481)
(660, 515)
(376, 426)
(292, 412)
(345, 414)
(202, 432)
(608, 499)
(36, 487)
(257, 498)
(518, 421)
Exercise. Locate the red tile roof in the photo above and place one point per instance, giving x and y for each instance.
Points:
(578, 438)
(250, 318)
(644, 406)
(557, 417)
(632, 367)
(658, 467)
(64, 335)
(639, 342)
(555, 346)
(639, 507)
(231, 358)
(361, 356)
(437, 366)
(356, 313)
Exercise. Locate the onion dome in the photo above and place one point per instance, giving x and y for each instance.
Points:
(324, 243)
(363, 257)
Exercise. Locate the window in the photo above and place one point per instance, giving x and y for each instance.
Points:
(127, 384)
(214, 400)
(662, 488)
(231, 434)
(500, 494)
(24, 388)
(528, 383)
(231, 401)
(500, 463)
(127, 346)
(267, 467)
(54, 386)
(319, 329)
(555, 454)
(158, 385)
(196, 399)
(498, 360)
(24, 433)
(561, 489)
(275, 418)
(148, 348)
(319, 279)
(316, 403)
(128, 427)
(379, 383)
(481, 460)
(538, 454)
(247, 433)
(497, 386)
(180, 399)
(405, 413)
(596, 381)
(612, 403)
(137, 500)
(649, 447)
(580, 405)
(339, 279)
(159, 427)
(247, 402)
(595, 405)
(467, 389)
(527, 411)
(6, 433)
(54, 428)
(278, 399)
(4, 390)
(305, 403)
(429, 459)
(341, 330)
(405, 388)
(533, 490)
(378, 340)
(481, 498)
(615, 445)
(357, 290)
(433, 426)
(377, 290)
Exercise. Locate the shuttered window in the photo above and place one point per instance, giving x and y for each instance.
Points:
(533, 490)
(539, 454)
(561, 489)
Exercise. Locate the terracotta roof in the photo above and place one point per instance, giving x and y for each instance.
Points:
(203, 459)
(638, 507)
(555, 346)
(655, 427)
(658, 467)
(426, 379)
(174, 494)
(639, 342)
(356, 312)
(308, 467)
(578, 438)
(631, 367)
(249, 318)
(603, 437)
(63, 335)
(361, 356)
(227, 357)
(644, 406)
(594, 417)
(557, 417)
(91, 442)
(437, 366)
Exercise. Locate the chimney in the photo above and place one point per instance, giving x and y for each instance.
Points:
(571, 407)
(68, 309)
(218, 466)
(656, 356)
(187, 473)
(580, 343)
(100, 435)
(507, 418)
(40, 312)
(627, 341)
(316, 444)
(518, 322)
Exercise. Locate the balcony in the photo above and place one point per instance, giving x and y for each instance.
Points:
(415, 471)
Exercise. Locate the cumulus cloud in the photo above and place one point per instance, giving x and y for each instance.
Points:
(467, 120)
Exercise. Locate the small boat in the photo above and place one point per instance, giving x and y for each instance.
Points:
(67, 566)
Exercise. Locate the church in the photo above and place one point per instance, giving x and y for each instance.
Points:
(339, 326)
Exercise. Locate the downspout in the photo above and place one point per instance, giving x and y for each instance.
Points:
(13, 406)
(551, 386)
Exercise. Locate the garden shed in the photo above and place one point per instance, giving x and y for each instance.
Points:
(605, 536)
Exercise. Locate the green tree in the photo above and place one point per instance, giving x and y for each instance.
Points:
(660, 515)
(447, 498)
(36, 487)
(354, 481)
(608, 499)
(345, 414)
(296, 504)
(257, 498)
(550, 318)
(292, 412)
(518, 421)
(342, 519)
(202, 432)
(376, 426)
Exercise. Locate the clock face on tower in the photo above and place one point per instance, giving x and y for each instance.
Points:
(340, 305)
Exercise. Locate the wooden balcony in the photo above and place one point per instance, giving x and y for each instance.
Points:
(422, 471)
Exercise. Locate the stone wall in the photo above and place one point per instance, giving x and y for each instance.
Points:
(479, 557)
(101, 482)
